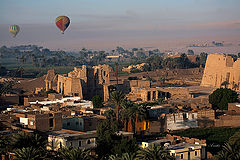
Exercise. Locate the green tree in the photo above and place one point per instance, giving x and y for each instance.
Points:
(28, 153)
(125, 156)
(3, 71)
(116, 98)
(235, 139)
(229, 152)
(97, 102)
(4, 145)
(131, 112)
(110, 114)
(154, 153)
(51, 91)
(109, 143)
(23, 140)
(203, 58)
(105, 132)
(6, 87)
(221, 97)
(74, 154)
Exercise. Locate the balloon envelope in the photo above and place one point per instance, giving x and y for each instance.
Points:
(14, 29)
(62, 22)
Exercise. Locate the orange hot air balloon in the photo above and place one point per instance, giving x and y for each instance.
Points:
(62, 22)
(14, 29)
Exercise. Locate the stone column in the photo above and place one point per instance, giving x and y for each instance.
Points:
(151, 97)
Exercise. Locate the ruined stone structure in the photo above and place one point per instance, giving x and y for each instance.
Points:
(220, 68)
(85, 82)
(50, 80)
(152, 94)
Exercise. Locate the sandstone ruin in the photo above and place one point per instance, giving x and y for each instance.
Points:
(220, 68)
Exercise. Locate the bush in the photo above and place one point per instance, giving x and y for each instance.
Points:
(221, 97)
(97, 102)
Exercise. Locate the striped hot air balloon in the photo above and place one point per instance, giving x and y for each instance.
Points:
(14, 29)
(62, 23)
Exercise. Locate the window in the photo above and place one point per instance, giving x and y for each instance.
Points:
(77, 123)
(159, 94)
(89, 141)
(181, 156)
(51, 122)
(154, 95)
(68, 123)
(79, 143)
(80, 123)
(90, 123)
(195, 153)
(148, 96)
(228, 77)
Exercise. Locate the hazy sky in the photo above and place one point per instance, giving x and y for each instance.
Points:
(103, 24)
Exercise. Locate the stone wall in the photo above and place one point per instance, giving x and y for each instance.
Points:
(234, 107)
(228, 121)
(153, 94)
(85, 82)
(220, 68)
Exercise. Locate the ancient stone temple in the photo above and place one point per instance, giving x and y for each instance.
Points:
(85, 82)
(51, 80)
(220, 68)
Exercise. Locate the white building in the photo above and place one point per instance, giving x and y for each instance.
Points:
(66, 101)
(69, 138)
(187, 151)
(182, 120)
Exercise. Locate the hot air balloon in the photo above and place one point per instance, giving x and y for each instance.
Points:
(62, 23)
(14, 29)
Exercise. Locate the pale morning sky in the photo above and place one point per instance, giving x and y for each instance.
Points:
(104, 24)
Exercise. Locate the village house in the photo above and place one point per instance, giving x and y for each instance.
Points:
(34, 120)
(69, 138)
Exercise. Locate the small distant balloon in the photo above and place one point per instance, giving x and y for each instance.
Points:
(14, 29)
(62, 22)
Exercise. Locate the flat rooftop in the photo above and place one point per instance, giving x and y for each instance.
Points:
(70, 134)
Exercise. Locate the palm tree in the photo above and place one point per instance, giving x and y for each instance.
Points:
(6, 87)
(124, 113)
(74, 154)
(229, 151)
(116, 71)
(23, 140)
(110, 114)
(28, 153)
(3, 145)
(154, 153)
(125, 156)
(116, 98)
